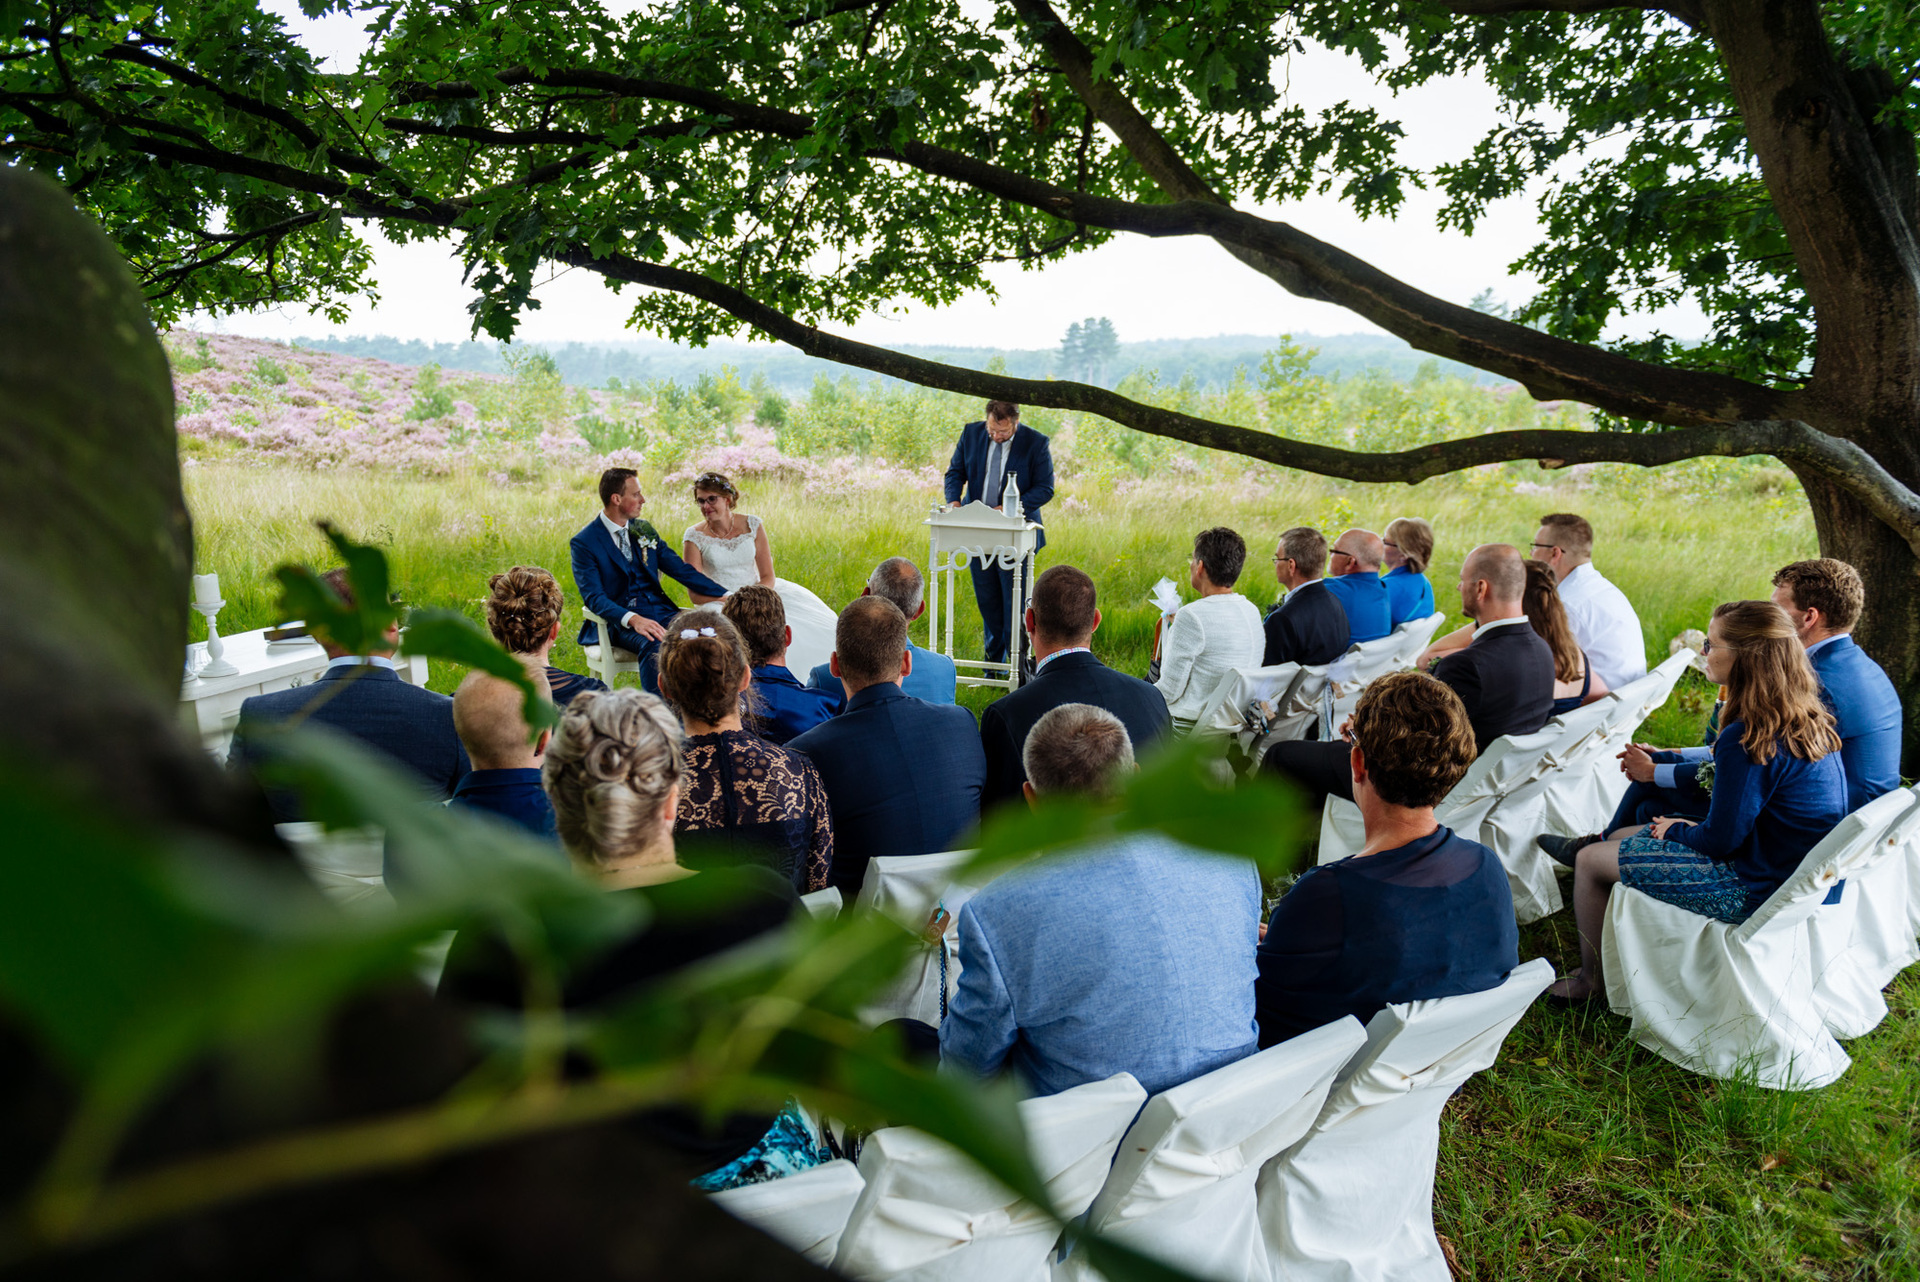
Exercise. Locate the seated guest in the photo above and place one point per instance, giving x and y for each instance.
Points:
(1216, 633)
(1603, 619)
(505, 780)
(1823, 598)
(1504, 679)
(934, 678)
(785, 708)
(1419, 912)
(364, 697)
(1310, 625)
(743, 800)
(523, 613)
(1126, 955)
(1409, 551)
(1061, 622)
(1778, 788)
(903, 776)
(613, 771)
(1574, 681)
(1355, 579)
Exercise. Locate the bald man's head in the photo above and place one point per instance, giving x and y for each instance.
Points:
(488, 718)
(1493, 579)
(1364, 549)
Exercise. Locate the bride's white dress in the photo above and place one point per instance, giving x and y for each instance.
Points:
(730, 563)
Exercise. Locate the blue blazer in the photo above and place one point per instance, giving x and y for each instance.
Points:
(1867, 709)
(1028, 458)
(903, 777)
(413, 727)
(787, 709)
(934, 678)
(610, 586)
(1070, 678)
(1364, 597)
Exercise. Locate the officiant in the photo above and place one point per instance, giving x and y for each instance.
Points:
(987, 452)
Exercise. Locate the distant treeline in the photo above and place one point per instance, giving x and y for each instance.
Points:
(1210, 362)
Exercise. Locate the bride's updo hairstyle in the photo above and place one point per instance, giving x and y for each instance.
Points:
(609, 768)
(716, 483)
(702, 663)
(523, 608)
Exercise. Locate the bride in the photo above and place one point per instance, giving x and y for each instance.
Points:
(732, 549)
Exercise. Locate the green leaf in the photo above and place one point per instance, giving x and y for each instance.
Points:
(358, 629)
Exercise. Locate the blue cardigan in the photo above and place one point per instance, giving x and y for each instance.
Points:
(1364, 597)
(1765, 818)
(1409, 595)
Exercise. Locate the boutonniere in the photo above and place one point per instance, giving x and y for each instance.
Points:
(646, 541)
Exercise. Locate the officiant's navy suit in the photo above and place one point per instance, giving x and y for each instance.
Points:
(1029, 458)
(611, 584)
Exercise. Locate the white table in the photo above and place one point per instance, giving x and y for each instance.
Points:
(992, 538)
(210, 708)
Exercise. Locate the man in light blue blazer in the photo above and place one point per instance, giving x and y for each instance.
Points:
(986, 453)
(934, 678)
(1132, 954)
(1824, 599)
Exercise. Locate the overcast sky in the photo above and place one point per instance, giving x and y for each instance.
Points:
(1177, 288)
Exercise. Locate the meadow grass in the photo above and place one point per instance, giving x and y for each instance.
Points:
(1577, 1154)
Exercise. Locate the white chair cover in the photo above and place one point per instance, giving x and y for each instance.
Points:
(1585, 800)
(1353, 671)
(928, 1214)
(1225, 713)
(348, 864)
(1181, 1189)
(1859, 944)
(1738, 1001)
(607, 660)
(806, 1211)
(907, 888)
(823, 903)
(1353, 1200)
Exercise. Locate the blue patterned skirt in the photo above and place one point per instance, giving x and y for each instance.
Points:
(788, 1147)
(1683, 877)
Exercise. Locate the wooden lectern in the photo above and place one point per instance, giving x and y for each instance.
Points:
(977, 533)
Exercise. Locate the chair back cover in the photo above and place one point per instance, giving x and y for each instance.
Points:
(1738, 1000)
(823, 903)
(1859, 944)
(1585, 800)
(907, 888)
(1181, 1189)
(1353, 671)
(1227, 708)
(928, 1214)
(347, 864)
(1353, 1199)
(805, 1211)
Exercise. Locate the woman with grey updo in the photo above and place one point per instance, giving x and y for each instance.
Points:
(613, 775)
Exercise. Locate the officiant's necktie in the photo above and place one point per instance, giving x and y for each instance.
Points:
(996, 474)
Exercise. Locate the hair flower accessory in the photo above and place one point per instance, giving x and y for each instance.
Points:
(688, 634)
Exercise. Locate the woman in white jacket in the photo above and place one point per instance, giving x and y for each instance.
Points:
(1213, 635)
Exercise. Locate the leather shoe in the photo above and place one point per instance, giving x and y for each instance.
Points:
(1560, 849)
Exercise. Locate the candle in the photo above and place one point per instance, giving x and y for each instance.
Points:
(206, 589)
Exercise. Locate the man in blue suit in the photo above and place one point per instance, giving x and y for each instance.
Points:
(617, 563)
(934, 678)
(903, 776)
(364, 697)
(986, 452)
(781, 709)
(1824, 599)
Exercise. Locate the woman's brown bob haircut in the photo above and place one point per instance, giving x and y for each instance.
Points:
(1414, 736)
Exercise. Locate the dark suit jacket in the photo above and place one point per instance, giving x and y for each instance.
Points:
(903, 777)
(1867, 710)
(412, 726)
(1071, 678)
(1028, 458)
(1310, 626)
(610, 586)
(1506, 680)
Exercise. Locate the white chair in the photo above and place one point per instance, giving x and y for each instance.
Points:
(806, 1211)
(1181, 1189)
(823, 903)
(1353, 671)
(1585, 798)
(1353, 1200)
(907, 888)
(1738, 1000)
(1859, 944)
(347, 864)
(1226, 713)
(928, 1214)
(606, 659)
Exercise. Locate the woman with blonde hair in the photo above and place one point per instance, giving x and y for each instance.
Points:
(523, 613)
(1778, 788)
(1409, 545)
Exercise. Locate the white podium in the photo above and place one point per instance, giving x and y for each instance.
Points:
(977, 533)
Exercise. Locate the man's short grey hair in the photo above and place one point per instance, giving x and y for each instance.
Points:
(1078, 748)
(898, 580)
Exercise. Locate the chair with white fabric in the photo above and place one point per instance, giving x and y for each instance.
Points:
(1395, 652)
(1738, 1000)
(1859, 944)
(907, 888)
(807, 1211)
(928, 1214)
(1353, 1200)
(1181, 1189)
(1228, 711)
(347, 864)
(823, 903)
(1585, 798)
(606, 659)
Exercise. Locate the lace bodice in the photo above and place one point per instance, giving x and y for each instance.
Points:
(728, 562)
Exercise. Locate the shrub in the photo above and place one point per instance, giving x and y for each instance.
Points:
(431, 400)
(269, 371)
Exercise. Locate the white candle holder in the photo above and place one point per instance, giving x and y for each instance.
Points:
(216, 665)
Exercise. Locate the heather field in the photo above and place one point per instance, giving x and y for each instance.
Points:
(1577, 1155)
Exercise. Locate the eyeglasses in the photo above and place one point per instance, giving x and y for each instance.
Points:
(1390, 543)
(1338, 552)
(1546, 545)
(1706, 648)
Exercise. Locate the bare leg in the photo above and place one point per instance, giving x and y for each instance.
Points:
(1596, 869)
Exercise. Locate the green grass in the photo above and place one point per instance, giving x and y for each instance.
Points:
(1578, 1154)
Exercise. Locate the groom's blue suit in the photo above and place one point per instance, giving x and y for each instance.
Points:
(610, 585)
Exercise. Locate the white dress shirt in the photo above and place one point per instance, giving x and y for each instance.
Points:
(1209, 638)
(1605, 625)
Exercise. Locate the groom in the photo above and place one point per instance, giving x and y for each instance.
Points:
(617, 562)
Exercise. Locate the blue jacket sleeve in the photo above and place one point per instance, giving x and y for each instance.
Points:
(673, 567)
(979, 1031)
(1039, 479)
(1739, 793)
(593, 591)
(957, 468)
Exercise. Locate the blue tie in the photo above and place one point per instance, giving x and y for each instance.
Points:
(996, 479)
